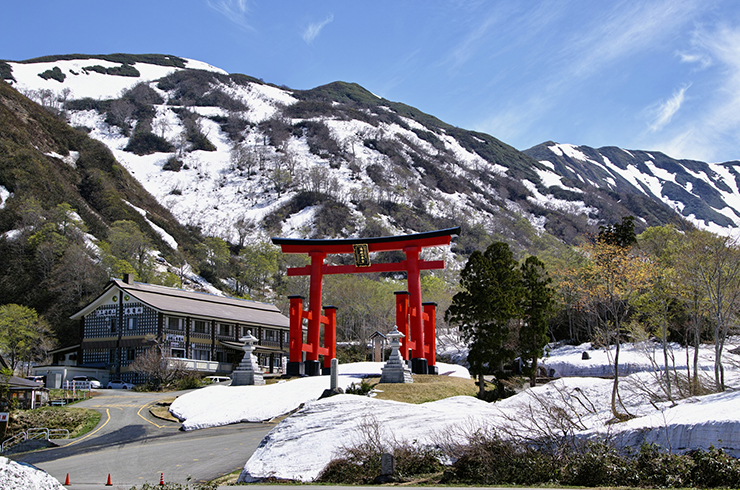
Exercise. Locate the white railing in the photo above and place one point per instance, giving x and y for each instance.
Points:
(35, 433)
(202, 366)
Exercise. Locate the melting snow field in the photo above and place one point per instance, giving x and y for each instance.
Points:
(301, 445)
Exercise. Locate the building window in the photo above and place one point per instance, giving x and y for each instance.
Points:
(269, 334)
(178, 353)
(202, 355)
(130, 354)
(174, 323)
(131, 323)
(221, 356)
(112, 325)
(199, 326)
(224, 329)
(112, 356)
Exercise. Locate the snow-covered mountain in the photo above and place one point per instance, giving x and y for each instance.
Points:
(232, 155)
(706, 194)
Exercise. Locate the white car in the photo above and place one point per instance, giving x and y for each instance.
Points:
(121, 385)
(82, 380)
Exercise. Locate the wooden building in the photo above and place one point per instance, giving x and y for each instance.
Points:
(200, 330)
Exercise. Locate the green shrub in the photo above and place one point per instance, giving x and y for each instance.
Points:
(188, 382)
(54, 73)
(96, 68)
(490, 460)
(413, 460)
(6, 71)
(144, 143)
(125, 70)
(125, 58)
(714, 468)
(86, 104)
(143, 94)
(660, 469)
(359, 389)
(361, 464)
(200, 141)
(172, 164)
(599, 465)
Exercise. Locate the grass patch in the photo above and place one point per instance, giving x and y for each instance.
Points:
(228, 479)
(77, 421)
(161, 410)
(425, 388)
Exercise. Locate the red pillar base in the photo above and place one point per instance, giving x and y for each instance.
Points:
(419, 366)
(295, 369)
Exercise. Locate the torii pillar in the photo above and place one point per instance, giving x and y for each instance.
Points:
(421, 335)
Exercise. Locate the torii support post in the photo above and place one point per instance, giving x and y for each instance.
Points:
(330, 337)
(430, 337)
(402, 321)
(295, 346)
(411, 245)
(312, 365)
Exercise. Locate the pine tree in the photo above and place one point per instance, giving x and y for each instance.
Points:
(537, 306)
(489, 300)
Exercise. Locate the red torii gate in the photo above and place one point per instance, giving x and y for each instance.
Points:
(411, 315)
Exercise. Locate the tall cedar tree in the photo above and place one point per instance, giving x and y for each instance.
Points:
(537, 307)
(490, 299)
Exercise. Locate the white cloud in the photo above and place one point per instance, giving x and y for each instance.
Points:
(664, 111)
(703, 61)
(604, 43)
(237, 11)
(710, 134)
(314, 29)
(624, 31)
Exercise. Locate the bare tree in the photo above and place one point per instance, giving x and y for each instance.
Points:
(159, 370)
(716, 263)
(119, 114)
(244, 158)
(161, 124)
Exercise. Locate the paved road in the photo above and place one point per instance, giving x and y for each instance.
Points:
(134, 447)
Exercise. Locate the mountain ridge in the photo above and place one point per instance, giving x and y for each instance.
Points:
(376, 158)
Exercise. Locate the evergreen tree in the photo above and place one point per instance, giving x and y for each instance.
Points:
(537, 306)
(489, 300)
(620, 235)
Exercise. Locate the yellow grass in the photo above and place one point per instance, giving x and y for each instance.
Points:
(425, 388)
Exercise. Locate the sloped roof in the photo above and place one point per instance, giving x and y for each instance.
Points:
(178, 302)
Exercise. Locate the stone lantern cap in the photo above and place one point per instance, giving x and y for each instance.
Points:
(395, 334)
(249, 341)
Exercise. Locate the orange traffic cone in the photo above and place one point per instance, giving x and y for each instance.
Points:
(66, 480)
(161, 478)
(109, 484)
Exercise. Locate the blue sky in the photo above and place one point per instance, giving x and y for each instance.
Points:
(650, 75)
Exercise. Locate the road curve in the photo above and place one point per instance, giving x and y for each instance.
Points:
(134, 447)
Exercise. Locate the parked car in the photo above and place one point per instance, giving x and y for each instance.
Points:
(37, 379)
(120, 385)
(94, 382)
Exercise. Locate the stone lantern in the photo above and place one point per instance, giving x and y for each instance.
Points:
(248, 372)
(395, 370)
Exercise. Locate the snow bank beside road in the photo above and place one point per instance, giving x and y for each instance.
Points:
(303, 444)
(222, 405)
(25, 476)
